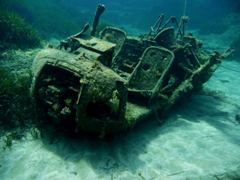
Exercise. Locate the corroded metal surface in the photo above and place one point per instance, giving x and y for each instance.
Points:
(105, 84)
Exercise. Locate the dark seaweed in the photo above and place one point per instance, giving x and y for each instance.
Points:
(16, 33)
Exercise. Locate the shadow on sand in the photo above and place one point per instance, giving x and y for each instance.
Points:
(123, 152)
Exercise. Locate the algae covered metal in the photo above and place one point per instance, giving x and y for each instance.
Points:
(108, 82)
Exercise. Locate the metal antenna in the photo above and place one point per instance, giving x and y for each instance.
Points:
(185, 8)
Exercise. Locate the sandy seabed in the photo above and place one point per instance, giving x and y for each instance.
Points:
(200, 140)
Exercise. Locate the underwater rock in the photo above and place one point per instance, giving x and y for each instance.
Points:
(105, 84)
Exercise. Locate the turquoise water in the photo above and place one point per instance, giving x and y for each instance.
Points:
(199, 139)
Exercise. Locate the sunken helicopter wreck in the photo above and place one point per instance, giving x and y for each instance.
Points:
(106, 83)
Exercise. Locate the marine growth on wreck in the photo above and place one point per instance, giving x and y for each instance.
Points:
(104, 83)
